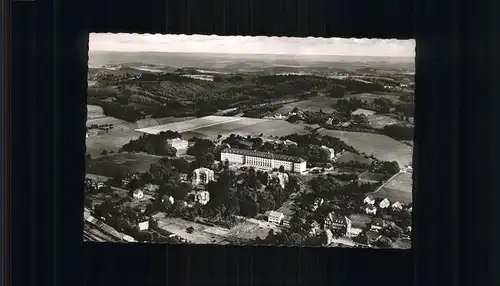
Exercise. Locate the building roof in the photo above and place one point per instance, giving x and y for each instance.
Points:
(275, 214)
(371, 207)
(203, 169)
(335, 218)
(264, 155)
(370, 197)
(385, 200)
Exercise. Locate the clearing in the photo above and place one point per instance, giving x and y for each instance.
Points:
(211, 126)
(121, 164)
(382, 147)
(118, 135)
(369, 97)
(202, 234)
(379, 121)
(397, 189)
(249, 230)
(314, 104)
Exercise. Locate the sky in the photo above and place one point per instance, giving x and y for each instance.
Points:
(250, 45)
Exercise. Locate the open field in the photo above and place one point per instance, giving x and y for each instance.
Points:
(94, 111)
(211, 126)
(111, 141)
(122, 163)
(97, 178)
(379, 121)
(369, 97)
(248, 230)
(314, 104)
(151, 122)
(190, 125)
(202, 234)
(397, 189)
(120, 134)
(360, 220)
(381, 146)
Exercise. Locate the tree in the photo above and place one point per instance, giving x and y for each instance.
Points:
(266, 201)
(248, 207)
(181, 191)
(293, 239)
(104, 152)
(282, 169)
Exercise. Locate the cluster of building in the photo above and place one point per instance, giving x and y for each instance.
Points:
(264, 160)
(371, 207)
(178, 143)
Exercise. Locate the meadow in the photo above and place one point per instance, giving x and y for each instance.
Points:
(382, 147)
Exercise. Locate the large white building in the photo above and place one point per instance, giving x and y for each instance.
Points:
(178, 143)
(264, 160)
(202, 176)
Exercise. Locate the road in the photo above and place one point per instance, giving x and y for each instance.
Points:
(387, 182)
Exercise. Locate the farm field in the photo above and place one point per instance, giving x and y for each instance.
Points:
(94, 111)
(379, 121)
(189, 125)
(211, 126)
(397, 189)
(381, 146)
(248, 230)
(314, 104)
(120, 164)
(369, 97)
(202, 234)
(151, 122)
(120, 134)
(248, 126)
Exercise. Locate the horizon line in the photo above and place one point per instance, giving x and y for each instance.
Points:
(277, 54)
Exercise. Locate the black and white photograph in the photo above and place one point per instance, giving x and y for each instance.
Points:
(239, 140)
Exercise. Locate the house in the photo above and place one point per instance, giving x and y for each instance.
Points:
(178, 143)
(275, 217)
(397, 206)
(183, 177)
(202, 197)
(315, 229)
(371, 209)
(370, 200)
(168, 199)
(143, 225)
(385, 203)
(328, 237)
(138, 194)
(335, 222)
(353, 232)
(202, 176)
(285, 222)
(378, 225)
(100, 185)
